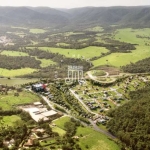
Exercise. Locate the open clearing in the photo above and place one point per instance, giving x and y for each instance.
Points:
(46, 62)
(10, 101)
(96, 29)
(121, 59)
(13, 118)
(16, 72)
(13, 53)
(61, 121)
(88, 52)
(94, 140)
(37, 31)
(16, 81)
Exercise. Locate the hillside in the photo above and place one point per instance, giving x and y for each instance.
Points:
(131, 123)
(49, 17)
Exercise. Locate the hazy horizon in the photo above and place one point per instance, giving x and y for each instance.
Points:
(74, 3)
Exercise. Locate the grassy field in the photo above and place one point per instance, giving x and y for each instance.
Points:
(46, 62)
(61, 121)
(13, 118)
(120, 59)
(37, 31)
(87, 52)
(16, 81)
(94, 140)
(60, 131)
(87, 136)
(13, 53)
(130, 35)
(8, 101)
(16, 72)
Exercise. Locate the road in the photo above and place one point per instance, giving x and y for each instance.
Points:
(96, 128)
(86, 107)
(94, 79)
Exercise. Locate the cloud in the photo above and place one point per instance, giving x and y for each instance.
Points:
(73, 3)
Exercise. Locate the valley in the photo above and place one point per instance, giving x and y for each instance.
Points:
(66, 84)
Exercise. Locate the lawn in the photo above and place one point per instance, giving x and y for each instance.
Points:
(36, 31)
(9, 101)
(94, 140)
(16, 72)
(13, 53)
(88, 52)
(61, 121)
(11, 120)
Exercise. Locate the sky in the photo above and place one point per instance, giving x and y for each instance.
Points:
(73, 3)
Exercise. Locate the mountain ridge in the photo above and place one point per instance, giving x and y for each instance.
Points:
(104, 16)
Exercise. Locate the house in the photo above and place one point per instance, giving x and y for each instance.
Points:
(39, 87)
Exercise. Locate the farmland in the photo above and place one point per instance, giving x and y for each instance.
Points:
(10, 101)
(87, 53)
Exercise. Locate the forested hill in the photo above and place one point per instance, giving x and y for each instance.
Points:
(142, 66)
(48, 17)
(131, 122)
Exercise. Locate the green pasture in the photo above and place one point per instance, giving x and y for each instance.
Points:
(13, 53)
(87, 52)
(121, 59)
(16, 72)
(16, 81)
(94, 140)
(10, 120)
(60, 131)
(46, 62)
(61, 121)
(10, 101)
(130, 35)
(36, 31)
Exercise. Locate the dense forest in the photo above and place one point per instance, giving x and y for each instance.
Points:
(142, 66)
(17, 62)
(131, 122)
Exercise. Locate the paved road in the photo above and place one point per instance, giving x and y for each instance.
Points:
(94, 79)
(96, 128)
(86, 107)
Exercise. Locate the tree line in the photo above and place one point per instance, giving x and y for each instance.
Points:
(131, 122)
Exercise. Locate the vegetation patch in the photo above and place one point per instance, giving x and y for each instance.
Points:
(61, 122)
(13, 53)
(90, 139)
(16, 72)
(10, 101)
(13, 118)
(36, 31)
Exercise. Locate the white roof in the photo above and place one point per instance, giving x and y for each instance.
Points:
(37, 103)
(49, 113)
